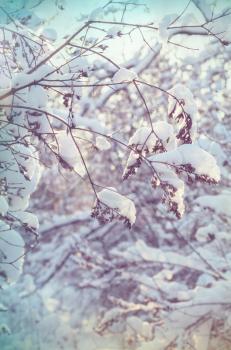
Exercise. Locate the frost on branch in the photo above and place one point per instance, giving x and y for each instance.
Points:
(112, 205)
(182, 112)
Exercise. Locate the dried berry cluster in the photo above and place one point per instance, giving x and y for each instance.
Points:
(205, 178)
(66, 99)
(169, 194)
(131, 169)
(138, 151)
(192, 176)
(104, 214)
(159, 147)
(155, 181)
(184, 133)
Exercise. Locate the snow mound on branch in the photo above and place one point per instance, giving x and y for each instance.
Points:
(68, 152)
(203, 233)
(3, 205)
(37, 97)
(147, 140)
(124, 75)
(27, 219)
(79, 121)
(213, 148)
(200, 160)
(102, 143)
(163, 27)
(21, 168)
(145, 135)
(173, 189)
(181, 92)
(182, 112)
(22, 78)
(122, 204)
(49, 34)
(143, 328)
(96, 14)
(11, 251)
(221, 203)
(114, 31)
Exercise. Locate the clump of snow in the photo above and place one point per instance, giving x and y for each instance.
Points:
(145, 136)
(220, 203)
(102, 143)
(68, 151)
(181, 92)
(11, 254)
(37, 97)
(204, 232)
(4, 329)
(176, 197)
(163, 27)
(141, 136)
(182, 110)
(124, 75)
(89, 123)
(28, 18)
(21, 168)
(213, 148)
(147, 140)
(122, 204)
(25, 78)
(203, 162)
(3, 307)
(49, 34)
(114, 31)
(142, 328)
(27, 219)
(3, 205)
(96, 14)
(204, 280)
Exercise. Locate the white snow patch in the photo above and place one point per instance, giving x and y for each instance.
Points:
(102, 143)
(3, 205)
(124, 75)
(68, 151)
(203, 162)
(221, 203)
(114, 200)
(11, 251)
